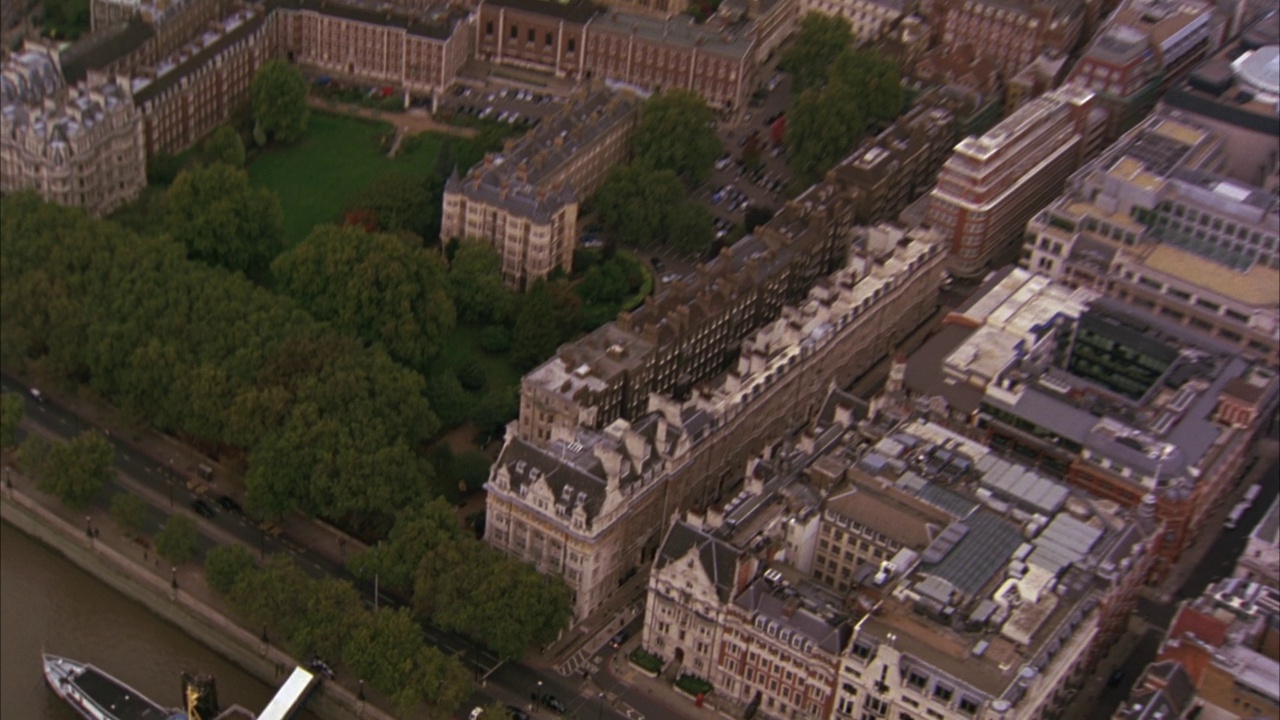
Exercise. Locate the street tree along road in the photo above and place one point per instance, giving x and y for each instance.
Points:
(136, 473)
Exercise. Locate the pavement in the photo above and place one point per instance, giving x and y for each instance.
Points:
(581, 648)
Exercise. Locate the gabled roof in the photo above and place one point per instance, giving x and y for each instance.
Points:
(719, 559)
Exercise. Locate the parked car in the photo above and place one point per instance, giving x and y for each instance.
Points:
(229, 504)
(203, 509)
(657, 264)
(37, 395)
(517, 713)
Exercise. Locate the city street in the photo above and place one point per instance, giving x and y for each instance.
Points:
(148, 477)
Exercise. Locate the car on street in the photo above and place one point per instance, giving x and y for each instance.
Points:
(616, 641)
(203, 509)
(37, 395)
(516, 713)
(229, 504)
(551, 702)
(657, 263)
(475, 713)
(1116, 678)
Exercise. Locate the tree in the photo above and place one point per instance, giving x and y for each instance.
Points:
(222, 219)
(274, 594)
(404, 202)
(828, 120)
(75, 470)
(176, 541)
(10, 418)
(452, 404)
(475, 282)
(497, 408)
(536, 335)
(225, 565)
(690, 228)
(825, 124)
(279, 103)
(755, 216)
(676, 133)
(129, 513)
(378, 287)
(223, 146)
(471, 469)
(873, 79)
(495, 339)
(331, 612)
(472, 377)
(644, 207)
(816, 44)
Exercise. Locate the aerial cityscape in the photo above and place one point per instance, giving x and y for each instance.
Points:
(640, 359)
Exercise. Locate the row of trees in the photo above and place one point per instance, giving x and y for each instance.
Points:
(839, 91)
(463, 585)
(328, 426)
(326, 617)
(674, 149)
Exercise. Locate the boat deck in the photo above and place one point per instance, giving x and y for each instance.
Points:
(120, 701)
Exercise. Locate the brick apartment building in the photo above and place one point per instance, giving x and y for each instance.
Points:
(418, 51)
(992, 184)
(1145, 46)
(1011, 33)
(542, 36)
(717, 59)
(80, 145)
(188, 94)
(525, 201)
(855, 577)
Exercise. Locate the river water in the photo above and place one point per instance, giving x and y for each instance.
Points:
(49, 604)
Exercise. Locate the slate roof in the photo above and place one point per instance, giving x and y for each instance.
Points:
(718, 558)
(803, 608)
(104, 48)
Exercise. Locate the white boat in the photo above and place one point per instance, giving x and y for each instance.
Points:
(97, 695)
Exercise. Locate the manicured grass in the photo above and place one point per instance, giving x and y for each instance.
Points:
(339, 157)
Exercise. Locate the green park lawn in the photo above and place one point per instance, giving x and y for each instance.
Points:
(338, 157)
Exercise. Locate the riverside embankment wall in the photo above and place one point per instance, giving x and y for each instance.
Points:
(197, 619)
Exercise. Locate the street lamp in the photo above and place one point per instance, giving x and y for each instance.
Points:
(537, 694)
(600, 712)
(170, 482)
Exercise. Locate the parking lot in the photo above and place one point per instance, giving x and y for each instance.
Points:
(516, 106)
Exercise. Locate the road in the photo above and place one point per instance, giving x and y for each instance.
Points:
(154, 482)
(1154, 617)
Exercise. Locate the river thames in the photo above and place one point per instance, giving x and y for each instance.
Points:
(49, 604)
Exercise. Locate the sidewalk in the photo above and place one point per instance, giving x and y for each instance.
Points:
(139, 573)
(167, 450)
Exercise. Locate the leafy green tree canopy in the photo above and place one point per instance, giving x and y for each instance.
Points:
(816, 44)
(222, 219)
(75, 470)
(129, 513)
(279, 95)
(10, 418)
(176, 541)
(376, 286)
(676, 133)
(225, 565)
(404, 202)
(645, 207)
(223, 146)
(475, 282)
